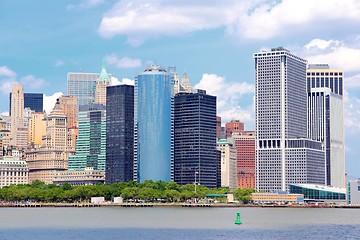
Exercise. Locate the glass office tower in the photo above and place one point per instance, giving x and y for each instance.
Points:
(119, 133)
(153, 125)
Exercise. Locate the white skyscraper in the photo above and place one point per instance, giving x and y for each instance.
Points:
(325, 118)
(284, 155)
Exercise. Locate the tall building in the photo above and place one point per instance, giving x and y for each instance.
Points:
(53, 154)
(91, 142)
(325, 118)
(195, 139)
(82, 86)
(218, 127)
(228, 163)
(153, 125)
(102, 82)
(34, 101)
(70, 108)
(233, 126)
(119, 133)
(246, 158)
(37, 127)
(283, 153)
(185, 83)
(17, 110)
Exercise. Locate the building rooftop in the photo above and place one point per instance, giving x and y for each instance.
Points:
(322, 188)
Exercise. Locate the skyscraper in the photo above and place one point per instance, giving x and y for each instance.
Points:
(195, 139)
(284, 155)
(37, 128)
(119, 133)
(91, 142)
(325, 118)
(69, 105)
(153, 125)
(102, 82)
(228, 163)
(34, 101)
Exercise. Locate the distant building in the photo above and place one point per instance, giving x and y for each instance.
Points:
(119, 133)
(34, 101)
(102, 82)
(69, 105)
(13, 170)
(228, 163)
(353, 192)
(218, 128)
(284, 154)
(37, 128)
(88, 176)
(195, 139)
(232, 127)
(326, 118)
(319, 193)
(283, 198)
(91, 142)
(153, 121)
(244, 143)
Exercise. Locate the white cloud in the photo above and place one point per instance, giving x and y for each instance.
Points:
(249, 19)
(49, 101)
(85, 4)
(7, 72)
(32, 82)
(59, 63)
(124, 62)
(351, 114)
(322, 44)
(124, 81)
(353, 81)
(229, 96)
(4, 114)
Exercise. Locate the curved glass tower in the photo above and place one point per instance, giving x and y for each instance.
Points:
(153, 125)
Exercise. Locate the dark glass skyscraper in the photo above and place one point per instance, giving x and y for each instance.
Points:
(119, 133)
(195, 154)
(34, 101)
(153, 125)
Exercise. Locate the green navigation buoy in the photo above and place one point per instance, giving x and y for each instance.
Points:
(238, 221)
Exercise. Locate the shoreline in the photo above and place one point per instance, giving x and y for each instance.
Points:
(176, 205)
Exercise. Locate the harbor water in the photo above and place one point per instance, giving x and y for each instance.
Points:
(179, 223)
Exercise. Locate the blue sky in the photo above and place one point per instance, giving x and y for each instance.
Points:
(213, 41)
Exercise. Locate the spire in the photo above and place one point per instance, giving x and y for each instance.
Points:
(104, 77)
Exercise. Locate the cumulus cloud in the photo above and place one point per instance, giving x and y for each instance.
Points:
(124, 81)
(49, 101)
(7, 78)
(124, 62)
(351, 114)
(85, 4)
(247, 19)
(7, 72)
(353, 81)
(229, 96)
(59, 63)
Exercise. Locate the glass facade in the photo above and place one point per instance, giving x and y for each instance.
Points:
(317, 193)
(153, 125)
(195, 140)
(119, 133)
(91, 142)
(34, 101)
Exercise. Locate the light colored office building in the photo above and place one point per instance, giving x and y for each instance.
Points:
(228, 163)
(88, 176)
(102, 82)
(353, 192)
(326, 118)
(37, 128)
(284, 155)
(13, 170)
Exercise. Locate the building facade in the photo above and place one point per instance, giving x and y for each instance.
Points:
(13, 170)
(283, 153)
(234, 126)
(195, 139)
(88, 176)
(91, 142)
(153, 125)
(326, 118)
(228, 163)
(102, 82)
(37, 128)
(34, 101)
(119, 133)
(244, 143)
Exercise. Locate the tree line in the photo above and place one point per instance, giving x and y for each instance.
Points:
(148, 191)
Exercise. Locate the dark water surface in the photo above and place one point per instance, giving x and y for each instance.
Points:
(179, 223)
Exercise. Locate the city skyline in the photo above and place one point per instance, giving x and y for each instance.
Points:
(215, 51)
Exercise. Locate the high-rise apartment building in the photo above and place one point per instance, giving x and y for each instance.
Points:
(91, 142)
(153, 125)
(228, 163)
(102, 82)
(34, 101)
(325, 118)
(244, 143)
(233, 126)
(283, 153)
(195, 139)
(119, 134)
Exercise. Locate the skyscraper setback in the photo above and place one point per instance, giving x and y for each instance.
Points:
(153, 125)
(284, 155)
